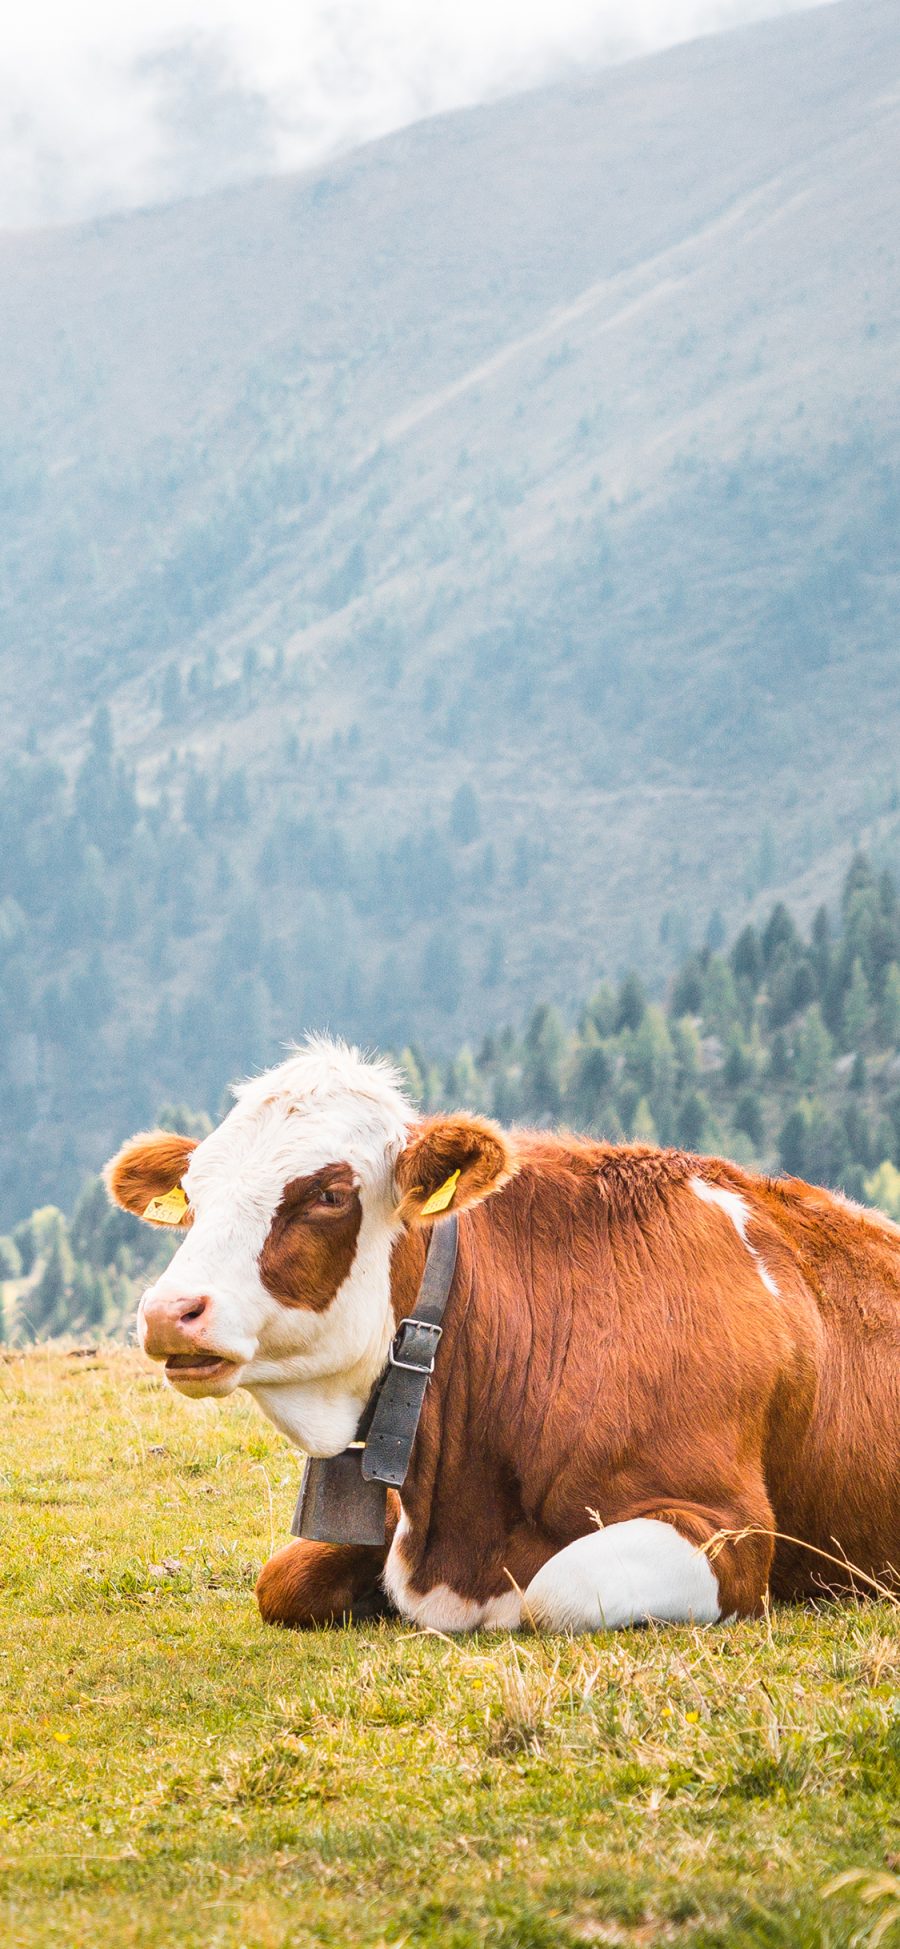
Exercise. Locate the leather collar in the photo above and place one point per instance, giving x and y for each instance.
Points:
(343, 1498)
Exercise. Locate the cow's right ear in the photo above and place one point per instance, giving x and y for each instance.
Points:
(145, 1177)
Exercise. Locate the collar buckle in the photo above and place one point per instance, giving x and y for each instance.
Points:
(409, 1351)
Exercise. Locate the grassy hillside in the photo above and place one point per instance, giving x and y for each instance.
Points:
(486, 551)
(173, 1773)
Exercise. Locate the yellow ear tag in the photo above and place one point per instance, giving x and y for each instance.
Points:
(442, 1197)
(170, 1209)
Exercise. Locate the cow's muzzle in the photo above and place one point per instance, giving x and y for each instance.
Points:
(176, 1328)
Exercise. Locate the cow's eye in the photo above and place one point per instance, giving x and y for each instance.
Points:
(328, 1197)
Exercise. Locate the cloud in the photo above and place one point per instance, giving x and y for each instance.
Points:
(104, 107)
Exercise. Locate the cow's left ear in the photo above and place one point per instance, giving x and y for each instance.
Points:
(145, 1177)
(448, 1163)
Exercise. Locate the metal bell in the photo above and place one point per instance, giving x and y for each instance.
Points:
(336, 1504)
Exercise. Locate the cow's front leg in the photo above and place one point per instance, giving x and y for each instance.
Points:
(665, 1563)
(326, 1583)
(322, 1583)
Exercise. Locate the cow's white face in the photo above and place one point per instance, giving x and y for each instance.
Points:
(283, 1282)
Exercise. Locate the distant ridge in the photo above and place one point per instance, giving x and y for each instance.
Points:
(486, 548)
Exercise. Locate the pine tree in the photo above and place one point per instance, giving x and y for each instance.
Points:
(813, 1050)
(779, 934)
(883, 1190)
(792, 1144)
(591, 1080)
(857, 1007)
(47, 1309)
(545, 1043)
(464, 1085)
(715, 931)
(643, 1128)
(632, 1003)
(746, 958)
(687, 991)
(748, 1117)
(738, 1065)
(889, 1008)
(693, 1118)
(651, 1057)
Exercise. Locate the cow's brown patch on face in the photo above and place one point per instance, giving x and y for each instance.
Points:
(312, 1238)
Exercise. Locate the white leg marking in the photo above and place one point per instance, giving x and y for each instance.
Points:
(624, 1574)
(441, 1608)
(736, 1208)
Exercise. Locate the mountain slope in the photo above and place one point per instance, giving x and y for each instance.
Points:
(487, 549)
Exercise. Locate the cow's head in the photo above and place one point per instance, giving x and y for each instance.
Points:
(289, 1212)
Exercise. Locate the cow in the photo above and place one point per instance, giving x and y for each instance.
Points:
(666, 1387)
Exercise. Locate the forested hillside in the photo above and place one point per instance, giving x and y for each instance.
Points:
(448, 578)
(783, 1052)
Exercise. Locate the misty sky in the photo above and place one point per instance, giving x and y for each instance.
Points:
(103, 105)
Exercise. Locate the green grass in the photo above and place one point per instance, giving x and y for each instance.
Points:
(173, 1773)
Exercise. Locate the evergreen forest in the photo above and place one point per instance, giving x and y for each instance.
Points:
(780, 1050)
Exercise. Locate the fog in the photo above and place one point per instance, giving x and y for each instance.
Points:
(103, 108)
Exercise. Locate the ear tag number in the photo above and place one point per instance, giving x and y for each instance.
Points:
(442, 1197)
(170, 1209)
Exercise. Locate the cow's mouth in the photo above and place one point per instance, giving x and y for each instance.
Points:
(199, 1367)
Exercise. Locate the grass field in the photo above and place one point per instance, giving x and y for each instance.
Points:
(173, 1773)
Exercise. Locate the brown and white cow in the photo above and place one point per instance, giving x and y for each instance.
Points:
(642, 1350)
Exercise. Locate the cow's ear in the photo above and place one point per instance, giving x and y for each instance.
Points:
(448, 1163)
(145, 1177)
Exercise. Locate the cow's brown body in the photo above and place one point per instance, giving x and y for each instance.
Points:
(619, 1346)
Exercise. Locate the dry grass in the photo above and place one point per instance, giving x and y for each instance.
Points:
(172, 1773)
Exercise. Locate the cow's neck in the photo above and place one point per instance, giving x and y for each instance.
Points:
(484, 1464)
(407, 1269)
(459, 1445)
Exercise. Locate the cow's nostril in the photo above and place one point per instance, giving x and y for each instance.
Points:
(174, 1323)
